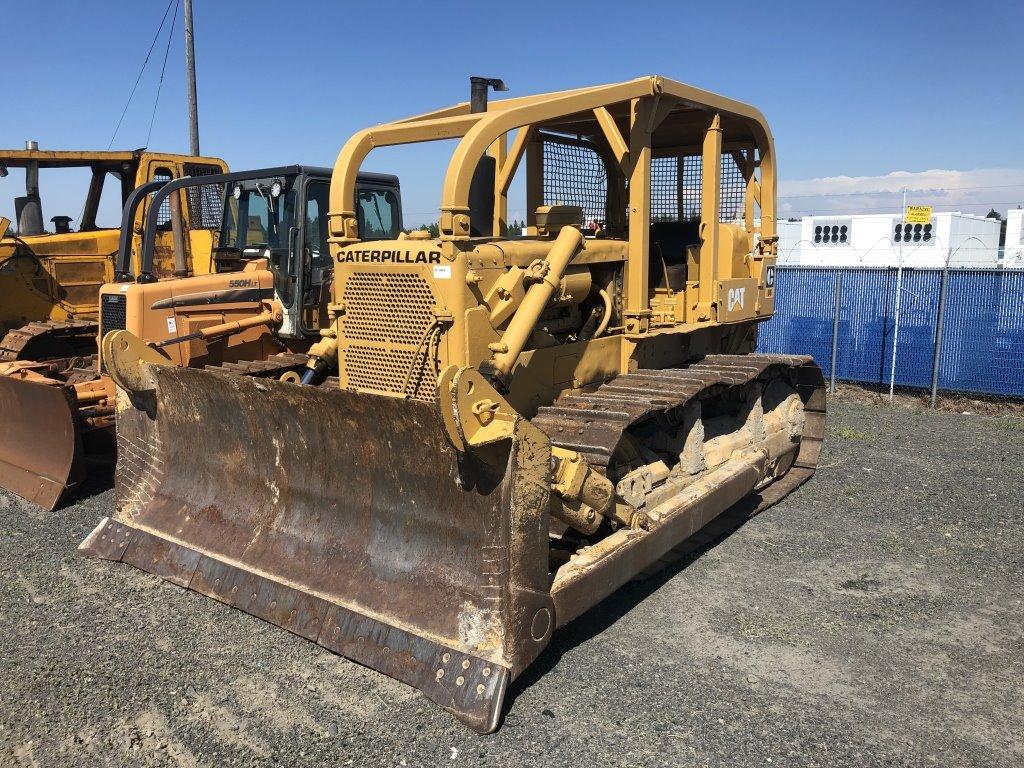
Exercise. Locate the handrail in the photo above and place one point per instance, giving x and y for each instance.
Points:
(122, 264)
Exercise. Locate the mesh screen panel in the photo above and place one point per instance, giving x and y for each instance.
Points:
(113, 312)
(164, 217)
(575, 175)
(675, 188)
(734, 187)
(664, 189)
(205, 202)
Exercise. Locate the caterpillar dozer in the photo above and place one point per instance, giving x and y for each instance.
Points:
(515, 427)
(261, 306)
(50, 280)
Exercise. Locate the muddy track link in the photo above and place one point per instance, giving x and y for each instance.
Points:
(593, 423)
(78, 333)
(272, 367)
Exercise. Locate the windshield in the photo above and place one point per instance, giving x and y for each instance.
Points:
(378, 214)
(255, 219)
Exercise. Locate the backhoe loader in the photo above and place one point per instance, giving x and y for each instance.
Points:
(517, 426)
(50, 280)
(261, 306)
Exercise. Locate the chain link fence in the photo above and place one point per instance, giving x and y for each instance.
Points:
(960, 330)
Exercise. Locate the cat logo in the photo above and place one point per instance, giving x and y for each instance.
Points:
(769, 276)
(736, 298)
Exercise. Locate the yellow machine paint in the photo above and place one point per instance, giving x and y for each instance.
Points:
(50, 274)
(518, 425)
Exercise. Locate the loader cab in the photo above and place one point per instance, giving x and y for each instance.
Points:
(270, 242)
(283, 218)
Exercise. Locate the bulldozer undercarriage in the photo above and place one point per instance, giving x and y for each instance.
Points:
(49, 340)
(454, 598)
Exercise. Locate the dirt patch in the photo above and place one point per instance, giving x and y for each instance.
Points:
(915, 399)
(871, 619)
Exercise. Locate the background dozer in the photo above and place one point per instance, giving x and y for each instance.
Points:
(263, 304)
(517, 426)
(50, 279)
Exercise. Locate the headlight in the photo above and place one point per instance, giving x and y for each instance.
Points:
(236, 192)
(276, 188)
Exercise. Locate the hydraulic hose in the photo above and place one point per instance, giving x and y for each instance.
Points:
(315, 373)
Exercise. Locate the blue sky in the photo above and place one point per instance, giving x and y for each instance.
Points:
(851, 89)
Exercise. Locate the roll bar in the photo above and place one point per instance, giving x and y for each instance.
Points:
(122, 264)
(149, 242)
(479, 131)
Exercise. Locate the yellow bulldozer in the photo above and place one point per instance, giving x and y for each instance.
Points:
(516, 426)
(260, 306)
(50, 279)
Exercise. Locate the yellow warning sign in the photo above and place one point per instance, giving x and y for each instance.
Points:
(918, 214)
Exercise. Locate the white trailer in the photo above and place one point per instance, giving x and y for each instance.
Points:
(789, 233)
(1013, 252)
(884, 240)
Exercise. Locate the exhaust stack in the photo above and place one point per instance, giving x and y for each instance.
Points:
(29, 209)
(478, 91)
(481, 189)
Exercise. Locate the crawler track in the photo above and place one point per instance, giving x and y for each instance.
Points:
(47, 339)
(593, 423)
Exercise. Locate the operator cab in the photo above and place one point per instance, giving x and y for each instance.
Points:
(277, 216)
(283, 218)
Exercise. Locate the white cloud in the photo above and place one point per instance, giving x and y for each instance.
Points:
(974, 191)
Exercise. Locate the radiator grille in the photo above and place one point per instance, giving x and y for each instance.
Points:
(113, 312)
(389, 333)
(386, 370)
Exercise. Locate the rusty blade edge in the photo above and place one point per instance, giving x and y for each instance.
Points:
(469, 687)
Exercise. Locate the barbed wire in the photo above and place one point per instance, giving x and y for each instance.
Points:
(930, 190)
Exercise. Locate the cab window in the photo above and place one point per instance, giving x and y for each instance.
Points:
(317, 194)
(377, 211)
(254, 220)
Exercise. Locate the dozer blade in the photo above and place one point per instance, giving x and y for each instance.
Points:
(345, 518)
(41, 451)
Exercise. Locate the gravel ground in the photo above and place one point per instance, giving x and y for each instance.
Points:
(873, 618)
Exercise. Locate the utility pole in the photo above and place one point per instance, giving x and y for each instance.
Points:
(190, 73)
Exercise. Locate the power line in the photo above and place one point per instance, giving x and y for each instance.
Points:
(160, 85)
(149, 53)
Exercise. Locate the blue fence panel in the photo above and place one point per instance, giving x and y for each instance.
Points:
(865, 326)
(918, 317)
(983, 338)
(802, 324)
